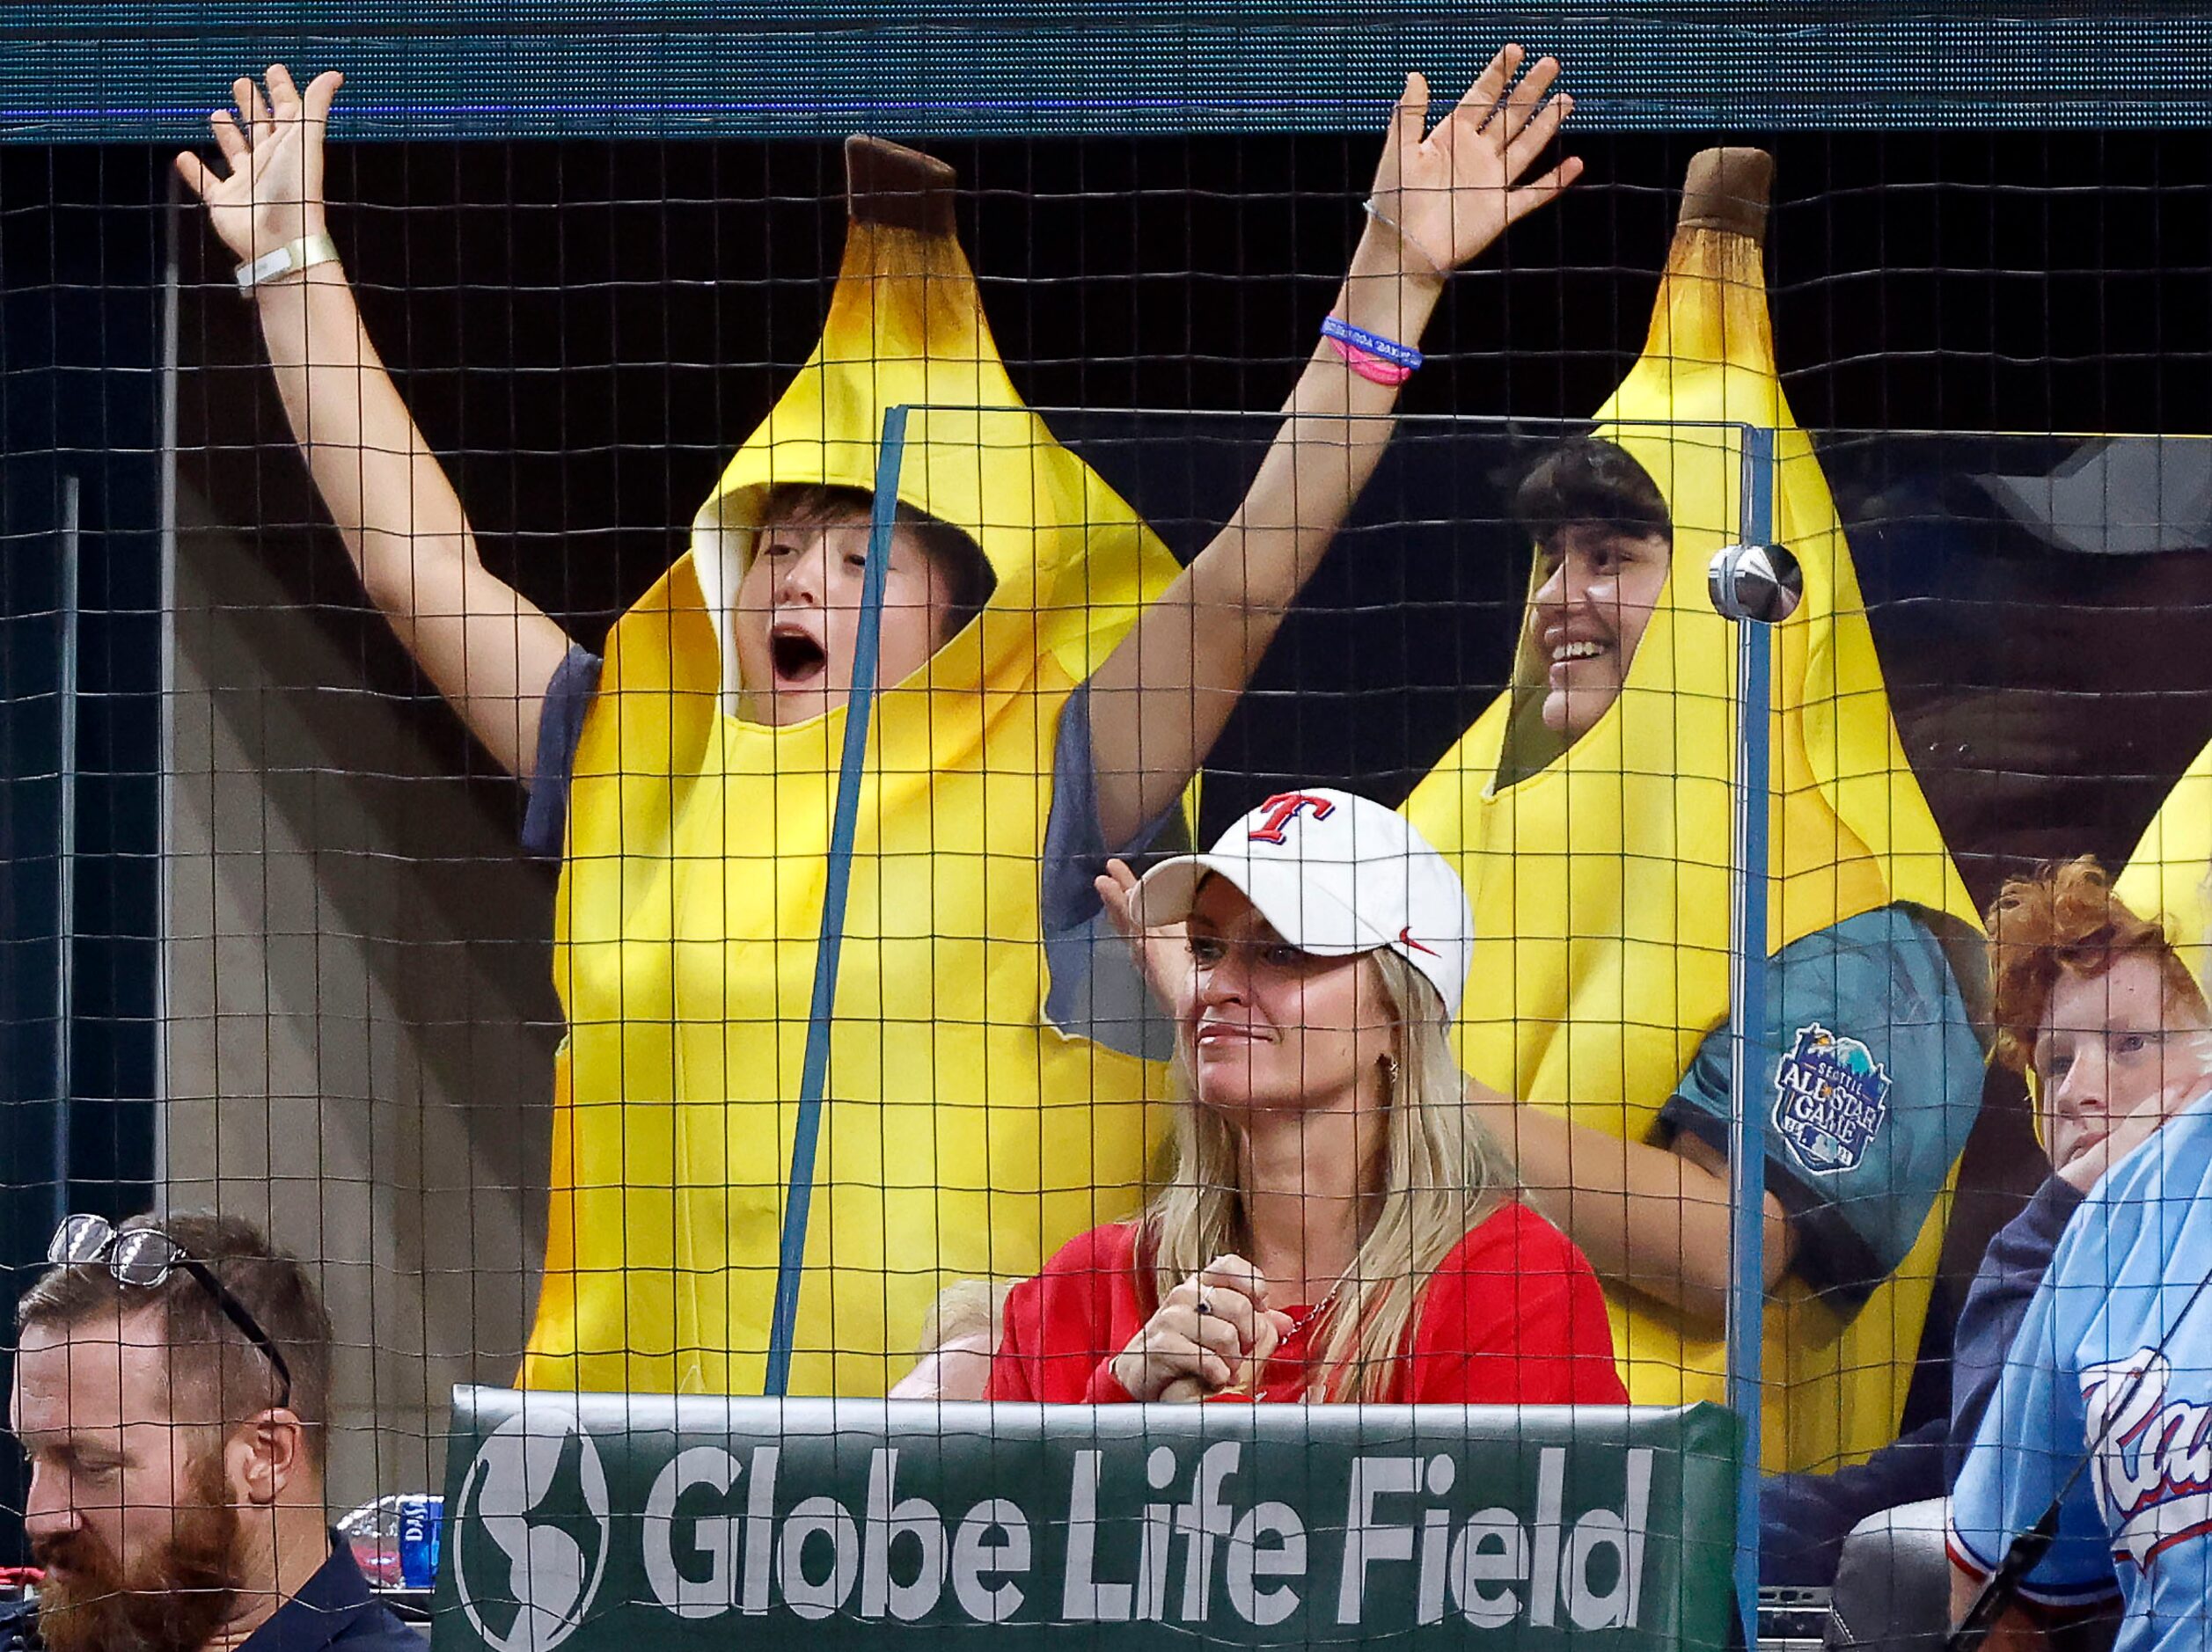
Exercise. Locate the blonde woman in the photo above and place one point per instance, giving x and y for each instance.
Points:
(1338, 1226)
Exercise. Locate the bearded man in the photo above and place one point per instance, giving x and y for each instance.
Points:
(172, 1395)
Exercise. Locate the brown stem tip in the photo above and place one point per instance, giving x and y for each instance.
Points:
(1727, 189)
(888, 184)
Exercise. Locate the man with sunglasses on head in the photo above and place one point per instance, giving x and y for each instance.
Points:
(172, 1395)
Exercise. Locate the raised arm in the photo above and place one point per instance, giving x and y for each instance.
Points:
(488, 649)
(1161, 698)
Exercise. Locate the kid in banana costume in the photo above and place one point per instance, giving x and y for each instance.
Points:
(1599, 875)
(965, 1137)
(687, 778)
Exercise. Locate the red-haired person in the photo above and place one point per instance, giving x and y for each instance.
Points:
(2086, 994)
(2084, 991)
(1339, 1226)
(2096, 1415)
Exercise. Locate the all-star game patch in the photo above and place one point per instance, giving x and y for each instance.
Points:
(1831, 1098)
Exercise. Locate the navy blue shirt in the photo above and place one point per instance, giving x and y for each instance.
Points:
(2011, 1270)
(335, 1608)
(1804, 1518)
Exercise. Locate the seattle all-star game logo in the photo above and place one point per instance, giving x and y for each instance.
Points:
(1831, 1101)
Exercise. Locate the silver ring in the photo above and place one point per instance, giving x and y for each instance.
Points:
(1204, 1306)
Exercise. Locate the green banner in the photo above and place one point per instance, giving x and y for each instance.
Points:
(643, 1522)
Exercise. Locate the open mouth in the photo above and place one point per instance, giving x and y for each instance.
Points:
(798, 659)
(1567, 653)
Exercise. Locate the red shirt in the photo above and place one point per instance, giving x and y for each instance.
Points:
(1514, 1316)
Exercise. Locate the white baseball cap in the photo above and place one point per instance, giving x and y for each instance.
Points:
(1336, 875)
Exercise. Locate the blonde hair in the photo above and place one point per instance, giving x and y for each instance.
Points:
(965, 1308)
(1443, 1174)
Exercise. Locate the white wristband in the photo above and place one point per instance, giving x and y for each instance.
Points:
(304, 253)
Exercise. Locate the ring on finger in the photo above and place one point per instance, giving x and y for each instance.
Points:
(1205, 1304)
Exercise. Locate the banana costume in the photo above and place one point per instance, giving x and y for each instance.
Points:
(1600, 878)
(2169, 876)
(963, 1135)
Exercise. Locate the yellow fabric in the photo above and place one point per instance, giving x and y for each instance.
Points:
(963, 1137)
(1599, 883)
(2169, 876)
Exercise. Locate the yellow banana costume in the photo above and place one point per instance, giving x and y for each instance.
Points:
(1599, 880)
(961, 1136)
(2169, 876)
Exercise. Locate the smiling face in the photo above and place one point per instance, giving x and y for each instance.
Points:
(1268, 1026)
(1598, 587)
(2114, 1045)
(798, 611)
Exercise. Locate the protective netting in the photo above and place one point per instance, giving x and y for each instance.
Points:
(404, 855)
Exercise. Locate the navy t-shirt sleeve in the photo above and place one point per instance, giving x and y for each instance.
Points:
(2019, 1255)
(560, 727)
(1093, 989)
(1875, 1085)
(1805, 1517)
(2024, 1455)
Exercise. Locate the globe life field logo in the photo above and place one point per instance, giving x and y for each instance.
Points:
(532, 1531)
(1159, 1535)
(643, 1523)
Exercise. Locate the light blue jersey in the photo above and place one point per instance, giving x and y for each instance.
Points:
(2116, 1351)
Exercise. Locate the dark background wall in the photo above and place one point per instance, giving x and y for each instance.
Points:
(78, 402)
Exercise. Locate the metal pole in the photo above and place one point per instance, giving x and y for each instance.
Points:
(1749, 1060)
(791, 1261)
(171, 348)
(65, 846)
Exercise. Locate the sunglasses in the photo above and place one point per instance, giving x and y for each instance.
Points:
(145, 1257)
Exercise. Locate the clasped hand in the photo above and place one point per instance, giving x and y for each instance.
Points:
(1214, 1332)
